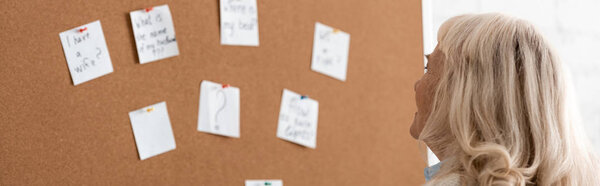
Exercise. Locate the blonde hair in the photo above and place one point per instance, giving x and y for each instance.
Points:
(499, 114)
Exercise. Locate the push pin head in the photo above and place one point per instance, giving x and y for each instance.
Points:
(225, 85)
(335, 30)
(267, 183)
(150, 109)
(149, 9)
(303, 97)
(82, 29)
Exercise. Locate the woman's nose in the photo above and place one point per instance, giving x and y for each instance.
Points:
(415, 87)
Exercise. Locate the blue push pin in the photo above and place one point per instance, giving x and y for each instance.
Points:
(303, 97)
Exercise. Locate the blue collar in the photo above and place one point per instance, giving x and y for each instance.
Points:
(432, 170)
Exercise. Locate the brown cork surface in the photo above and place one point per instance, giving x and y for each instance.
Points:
(54, 133)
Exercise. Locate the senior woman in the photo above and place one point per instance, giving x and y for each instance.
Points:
(492, 107)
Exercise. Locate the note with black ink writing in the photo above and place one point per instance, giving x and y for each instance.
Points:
(154, 33)
(219, 111)
(86, 52)
(298, 117)
(264, 183)
(239, 22)
(152, 130)
(330, 51)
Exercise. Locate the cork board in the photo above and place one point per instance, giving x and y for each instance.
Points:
(54, 133)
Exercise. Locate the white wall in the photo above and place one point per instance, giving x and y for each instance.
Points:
(571, 26)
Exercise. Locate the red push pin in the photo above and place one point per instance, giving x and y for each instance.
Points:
(225, 85)
(149, 9)
(82, 29)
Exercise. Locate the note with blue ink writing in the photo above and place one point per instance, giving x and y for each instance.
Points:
(152, 130)
(298, 117)
(219, 111)
(86, 52)
(239, 22)
(264, 183)
(154, 33)
(330, 51)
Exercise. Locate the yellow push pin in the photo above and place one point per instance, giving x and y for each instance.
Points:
(335, 30)
(150, 109)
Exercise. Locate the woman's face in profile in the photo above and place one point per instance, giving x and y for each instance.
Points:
(425, 87)
(425, 90)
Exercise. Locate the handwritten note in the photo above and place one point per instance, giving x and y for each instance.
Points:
(298, 119)
(330, 51)
(86, 52)
(219, 111)
(154, 33)
(239, 22)
(264, 183)
(152, 130)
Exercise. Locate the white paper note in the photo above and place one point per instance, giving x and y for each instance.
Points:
(219, 111)
(298, 117)
(152, 130)
(330, 51)
(154, 33)
(239, 22)
(264, 183)
(86, 52)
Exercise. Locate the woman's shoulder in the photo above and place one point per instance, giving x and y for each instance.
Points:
(448, 180)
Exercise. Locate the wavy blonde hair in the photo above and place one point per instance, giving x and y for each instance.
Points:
(500, 113)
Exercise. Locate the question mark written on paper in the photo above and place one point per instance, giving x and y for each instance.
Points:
(99, 52)
(220, 108)
(219, 111)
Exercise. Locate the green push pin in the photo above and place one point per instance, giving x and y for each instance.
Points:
(267, 183)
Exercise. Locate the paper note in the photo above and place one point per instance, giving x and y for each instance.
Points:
(239, 22)
(154, 33)
(152, 130)
(330, 51)
(86, 52)
(219, 111)
(298, 119)
(264, 183)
